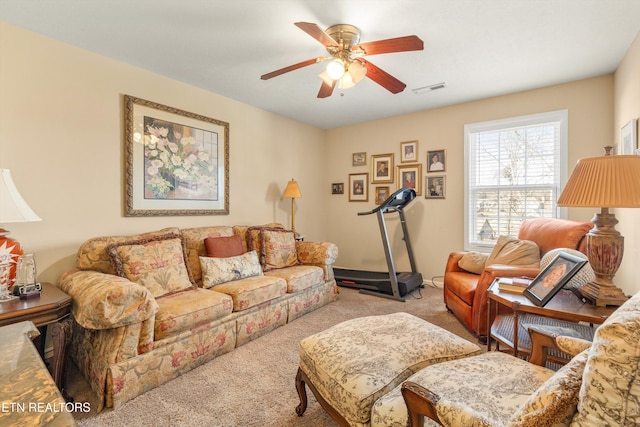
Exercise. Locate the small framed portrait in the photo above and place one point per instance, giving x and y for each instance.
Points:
(382, 194)
(381, 168)
(410, 176)
(436, 161)
(359, 159)
(358, 187)
(408, 151)
(553, 277)
(337, 188)
(434, 187)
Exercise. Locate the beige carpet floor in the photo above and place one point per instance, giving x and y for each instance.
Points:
(254, 384)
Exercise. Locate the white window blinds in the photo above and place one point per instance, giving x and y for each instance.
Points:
(514, 170)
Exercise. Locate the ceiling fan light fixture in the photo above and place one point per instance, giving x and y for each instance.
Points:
(324, 76)
(335, 69)
(346, 82)
(357, 71)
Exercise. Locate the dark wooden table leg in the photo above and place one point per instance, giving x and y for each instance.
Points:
(61, 336)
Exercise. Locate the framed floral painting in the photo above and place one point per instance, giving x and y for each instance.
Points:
(177, 163)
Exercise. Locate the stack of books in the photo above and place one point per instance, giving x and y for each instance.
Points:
(514, 285)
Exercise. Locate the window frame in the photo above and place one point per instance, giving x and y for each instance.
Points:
(560, 116)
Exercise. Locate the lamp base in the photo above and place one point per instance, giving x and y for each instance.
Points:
(601, 295)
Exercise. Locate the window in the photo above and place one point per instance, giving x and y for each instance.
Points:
(514, 170)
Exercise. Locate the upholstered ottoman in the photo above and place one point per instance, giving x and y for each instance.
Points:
(350, 365)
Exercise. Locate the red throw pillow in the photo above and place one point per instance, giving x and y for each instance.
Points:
(223, 247)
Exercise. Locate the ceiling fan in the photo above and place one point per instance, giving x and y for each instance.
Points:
(347, 66)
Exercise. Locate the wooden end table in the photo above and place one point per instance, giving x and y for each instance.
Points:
(565, 307)
(50, 309)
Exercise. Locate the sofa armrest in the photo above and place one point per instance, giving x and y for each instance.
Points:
(105, 301)
(481, 297)
(317, 253)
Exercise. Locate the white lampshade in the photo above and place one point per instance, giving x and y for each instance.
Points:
(335, 69)
(13, 207)
(357, 71)
(346, 82)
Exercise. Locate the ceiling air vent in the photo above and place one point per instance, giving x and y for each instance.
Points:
(425, 89)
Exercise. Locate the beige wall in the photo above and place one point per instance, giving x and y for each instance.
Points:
(61, 134)
(627, 107)
(436, 226)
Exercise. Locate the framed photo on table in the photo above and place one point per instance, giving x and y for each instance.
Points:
(176, 162)
(554, 276)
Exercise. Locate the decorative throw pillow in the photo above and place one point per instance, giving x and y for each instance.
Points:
(581, 278)
(610, 393)
(278, 249)
(223, 270)
(512, 251)
(254, 238)
(554, 403)
(223, 247)
(473, 262)
(158, 264)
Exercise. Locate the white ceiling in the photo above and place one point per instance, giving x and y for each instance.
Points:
(479, 48)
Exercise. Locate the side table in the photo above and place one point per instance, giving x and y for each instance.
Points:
(564, 307)
(50, 309)
(28, 394)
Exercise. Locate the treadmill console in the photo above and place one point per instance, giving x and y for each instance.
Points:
(395, 202)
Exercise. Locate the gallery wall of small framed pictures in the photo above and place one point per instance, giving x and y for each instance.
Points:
(408, 173)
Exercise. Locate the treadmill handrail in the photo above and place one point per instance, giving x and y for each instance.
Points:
(397, 201)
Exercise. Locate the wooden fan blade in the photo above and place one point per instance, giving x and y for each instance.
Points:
(398, 44)
(326, 89)
(317, 33)
(292, 67)
(383, 78)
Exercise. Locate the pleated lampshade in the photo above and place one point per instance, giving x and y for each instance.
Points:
(604, 182)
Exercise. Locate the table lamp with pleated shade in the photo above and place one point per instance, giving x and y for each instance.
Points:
(604, 182)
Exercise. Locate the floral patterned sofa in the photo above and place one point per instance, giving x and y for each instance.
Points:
(149, 307)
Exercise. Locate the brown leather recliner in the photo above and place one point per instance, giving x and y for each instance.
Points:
(465, 293)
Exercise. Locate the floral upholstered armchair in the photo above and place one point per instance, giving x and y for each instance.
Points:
(599, 386)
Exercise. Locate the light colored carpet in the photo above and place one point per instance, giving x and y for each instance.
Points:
(254, 384)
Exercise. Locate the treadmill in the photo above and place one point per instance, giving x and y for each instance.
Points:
(392, 284)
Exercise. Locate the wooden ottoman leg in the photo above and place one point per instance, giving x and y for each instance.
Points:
(302, 393)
